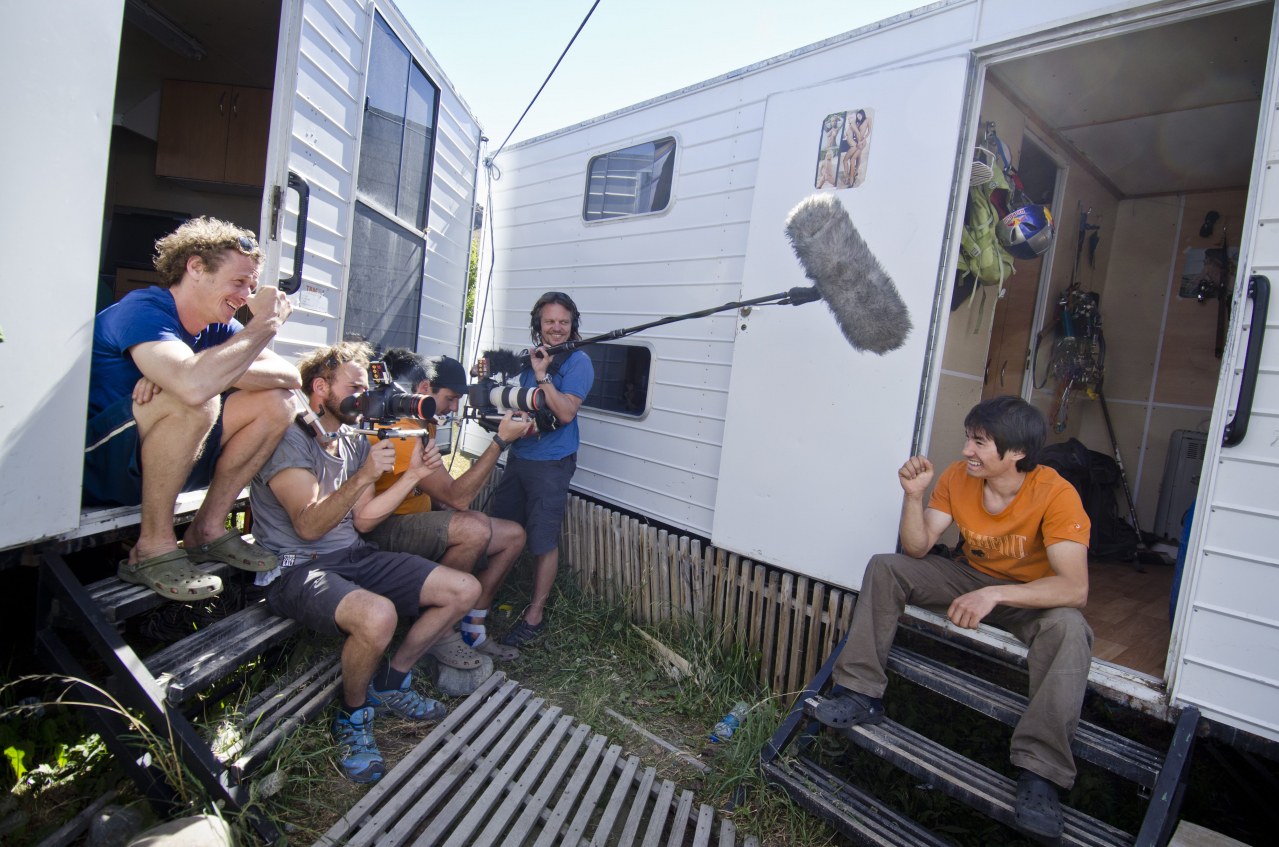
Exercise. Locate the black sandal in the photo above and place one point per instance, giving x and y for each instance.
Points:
(849, 708)
(1038, 807)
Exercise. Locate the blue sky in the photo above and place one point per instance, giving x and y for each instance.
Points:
(497, 52)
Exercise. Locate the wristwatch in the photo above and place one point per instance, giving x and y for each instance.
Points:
(501, 443)
(546, 380)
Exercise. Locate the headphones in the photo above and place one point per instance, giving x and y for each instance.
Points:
(561, 299)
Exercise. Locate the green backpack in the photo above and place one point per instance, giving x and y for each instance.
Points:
(980, 255)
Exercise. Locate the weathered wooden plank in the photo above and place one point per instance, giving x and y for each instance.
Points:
(813, 643)
(684, 572)
(781, 644)
(741, 582)
(697, 570)
(727, 833)
(448, 767)
(662, 593)
(770, 597)
(590, 801)
(551, 831)
(638, 804)
(657, 817)
(615, 803)
(549, 785)
(680, 822)
(705, 824)
(529, 780)
(795, 678)
(486, 808)
(489, 751)
(483, 703)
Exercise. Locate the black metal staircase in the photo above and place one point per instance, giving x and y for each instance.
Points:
(791, 760)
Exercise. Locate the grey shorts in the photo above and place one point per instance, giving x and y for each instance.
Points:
(309, 592)
(534, 494)
(424, 534)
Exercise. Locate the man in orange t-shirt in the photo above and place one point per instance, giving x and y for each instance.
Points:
(1022, 565)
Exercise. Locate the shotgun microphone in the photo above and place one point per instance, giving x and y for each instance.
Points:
(856, 288)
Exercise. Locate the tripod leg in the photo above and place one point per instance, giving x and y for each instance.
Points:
(1123, 479)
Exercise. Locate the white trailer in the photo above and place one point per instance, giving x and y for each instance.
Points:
(140, 113)
(764, 431)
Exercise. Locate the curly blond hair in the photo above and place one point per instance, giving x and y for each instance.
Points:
(208, 238)
(324, 362)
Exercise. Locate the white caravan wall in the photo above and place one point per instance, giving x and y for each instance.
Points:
(692, 256)
(319, 108)
(58, 94)
(1225, 653)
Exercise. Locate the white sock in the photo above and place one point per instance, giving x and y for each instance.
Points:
(473, 631)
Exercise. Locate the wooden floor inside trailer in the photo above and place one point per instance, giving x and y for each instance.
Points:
(1128, 611)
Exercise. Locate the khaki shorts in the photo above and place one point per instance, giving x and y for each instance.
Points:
(424, 534)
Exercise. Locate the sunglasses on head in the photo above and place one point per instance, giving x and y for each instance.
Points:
(246, 244)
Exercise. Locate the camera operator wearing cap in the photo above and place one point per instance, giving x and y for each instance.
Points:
(533, 490)
(436, 520)
(183, 396)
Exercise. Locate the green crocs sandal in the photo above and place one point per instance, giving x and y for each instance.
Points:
(233, 550)
(172, 576)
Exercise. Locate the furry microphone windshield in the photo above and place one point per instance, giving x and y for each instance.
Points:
(856, 289)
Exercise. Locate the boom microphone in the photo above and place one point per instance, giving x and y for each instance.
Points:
(856, 288)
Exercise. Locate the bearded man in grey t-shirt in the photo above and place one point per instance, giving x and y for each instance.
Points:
(310, 501)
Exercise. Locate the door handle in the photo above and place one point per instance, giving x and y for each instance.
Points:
(291, 283)
(1259, 292)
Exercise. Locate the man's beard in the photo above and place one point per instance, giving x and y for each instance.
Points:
(331, 408)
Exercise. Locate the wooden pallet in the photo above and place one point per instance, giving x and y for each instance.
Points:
(506, 769)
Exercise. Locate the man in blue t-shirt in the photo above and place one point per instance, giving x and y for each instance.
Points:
(534, 487)
(161, 418)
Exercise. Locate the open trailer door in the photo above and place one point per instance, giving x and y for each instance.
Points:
(59, 91)
(381, 154)
(1224, 657)
(816, 430)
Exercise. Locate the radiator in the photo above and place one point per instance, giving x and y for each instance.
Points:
(1181, 481)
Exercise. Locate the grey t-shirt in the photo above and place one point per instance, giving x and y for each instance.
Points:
(272, 526)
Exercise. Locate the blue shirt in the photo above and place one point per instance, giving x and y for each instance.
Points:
(575, 377)
(145, 315)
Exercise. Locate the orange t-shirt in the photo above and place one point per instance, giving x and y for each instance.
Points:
(404, 447)
(1014, 543)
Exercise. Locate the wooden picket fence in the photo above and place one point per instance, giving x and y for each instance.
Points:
(793, 622)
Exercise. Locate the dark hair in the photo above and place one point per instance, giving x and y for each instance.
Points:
(559, 298)
(447, 373)
(403, 365)
(1013, 424)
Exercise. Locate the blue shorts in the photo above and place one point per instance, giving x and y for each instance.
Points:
(113, 457)
(309, 591)
(534, 494)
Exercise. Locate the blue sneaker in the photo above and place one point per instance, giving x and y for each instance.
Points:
(407, 703)
(361, 761)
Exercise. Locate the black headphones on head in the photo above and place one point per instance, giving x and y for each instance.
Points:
(559, 298)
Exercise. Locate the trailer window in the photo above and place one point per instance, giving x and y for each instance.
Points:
(399, 128)
(633, 181)
(621, 378)
(392, 189)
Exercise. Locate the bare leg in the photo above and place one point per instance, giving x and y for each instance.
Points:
(171, 433)
(252, 425)
(446, 596)
(545, 567)
(468, 537)
(369, 620)
(505, 547)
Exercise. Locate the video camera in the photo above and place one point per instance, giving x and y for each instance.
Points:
(385, 403)
(491, 398)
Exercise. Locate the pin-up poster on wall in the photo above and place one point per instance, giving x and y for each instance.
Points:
(844, 149)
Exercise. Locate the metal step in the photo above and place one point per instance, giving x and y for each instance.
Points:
(1101, 747)
(853, 812)
(187, 667)
(962, 779)
(505, 769)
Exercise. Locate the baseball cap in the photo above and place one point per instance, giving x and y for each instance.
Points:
(448, 373)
